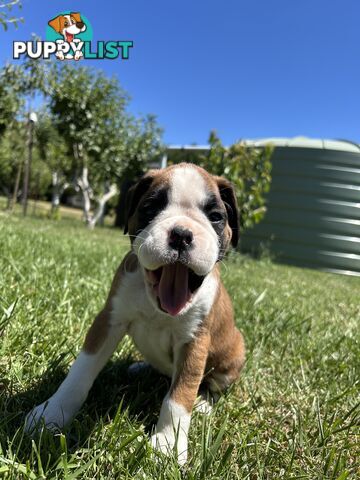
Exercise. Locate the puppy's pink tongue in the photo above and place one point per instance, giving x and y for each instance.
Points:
(174, 291)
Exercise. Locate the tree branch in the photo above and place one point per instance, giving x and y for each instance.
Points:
(113, 190)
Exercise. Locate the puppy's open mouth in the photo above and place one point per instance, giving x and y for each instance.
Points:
(69, 37)
(174, 285)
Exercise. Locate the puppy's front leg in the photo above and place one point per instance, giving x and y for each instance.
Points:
(59, 409)
(174, 421)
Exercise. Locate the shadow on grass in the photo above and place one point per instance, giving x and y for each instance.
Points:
(140, 395)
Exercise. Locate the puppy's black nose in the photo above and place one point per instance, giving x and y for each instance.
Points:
(180, 238)
(80, 24)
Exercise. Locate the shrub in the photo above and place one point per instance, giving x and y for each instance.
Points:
(248, 168)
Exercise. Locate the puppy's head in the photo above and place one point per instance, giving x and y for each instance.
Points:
(68, 25)
(181, 221)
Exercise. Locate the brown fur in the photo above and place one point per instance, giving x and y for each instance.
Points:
(227, 349)
(76, 16)
(216, 355)
(55, 23)
(190, 372)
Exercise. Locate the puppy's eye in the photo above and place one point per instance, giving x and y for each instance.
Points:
(150, 205)
(66, 24)
(155, 203)
(216, 217)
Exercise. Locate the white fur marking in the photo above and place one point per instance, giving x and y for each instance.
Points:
(188, 187)
(59, 409)
(172, 430)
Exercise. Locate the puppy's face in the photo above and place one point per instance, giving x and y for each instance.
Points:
(181, 221)
(68, 25)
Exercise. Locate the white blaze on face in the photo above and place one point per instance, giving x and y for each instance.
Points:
(188, 188)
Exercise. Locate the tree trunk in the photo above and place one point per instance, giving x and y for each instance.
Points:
(83, 181)
(36, 197)
(84, 185)
(57, 190)
(16, 187)
(55, 194)
(28, 161)
(101, 205)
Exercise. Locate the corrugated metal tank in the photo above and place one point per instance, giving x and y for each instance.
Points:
(313, 216)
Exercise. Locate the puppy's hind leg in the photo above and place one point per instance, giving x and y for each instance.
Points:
(226, 365)
(59, 409)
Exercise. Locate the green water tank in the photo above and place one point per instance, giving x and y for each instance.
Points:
(313, 216)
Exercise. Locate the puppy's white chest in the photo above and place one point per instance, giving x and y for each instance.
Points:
(156, 335)
(156, 343)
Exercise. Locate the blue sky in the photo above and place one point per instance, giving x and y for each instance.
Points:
(249, 69)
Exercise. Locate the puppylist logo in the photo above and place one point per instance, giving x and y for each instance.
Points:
(69, 37)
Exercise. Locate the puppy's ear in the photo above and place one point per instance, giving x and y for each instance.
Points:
(227, 194)
(134, 195)
(55, 23)
(76, 16)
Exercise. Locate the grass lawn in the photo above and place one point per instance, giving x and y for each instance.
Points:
(293, 414)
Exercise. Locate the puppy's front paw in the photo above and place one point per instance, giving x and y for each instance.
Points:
(50, 414)
(166, 443)
(78, 55)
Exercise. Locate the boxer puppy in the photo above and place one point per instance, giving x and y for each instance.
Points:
(168, 296)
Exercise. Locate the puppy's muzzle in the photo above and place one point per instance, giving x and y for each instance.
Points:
(175, 283)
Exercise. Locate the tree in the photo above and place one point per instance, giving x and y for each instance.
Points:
(19, 85)
(6, 16)
(88, 109)
(84, 136)
(90, 114)
(248, 168)
(12, 151)
(52, 150)
(10, 95)
(143, 144)
(11, 103)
